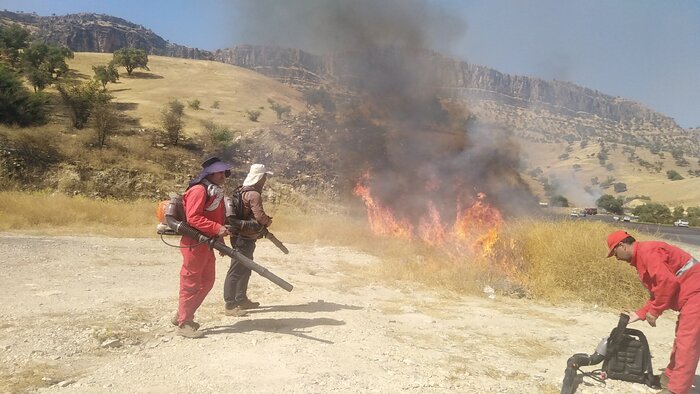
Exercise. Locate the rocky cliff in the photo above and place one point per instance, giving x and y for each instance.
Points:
(103, 33)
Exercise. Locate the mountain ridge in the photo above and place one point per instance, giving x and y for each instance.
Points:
(86, 32)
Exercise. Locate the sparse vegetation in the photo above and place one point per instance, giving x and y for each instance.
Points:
(194, 104)
(253, 115)
(674, 175)
(279, 109)
(171, 119)
(217, 138)
(106, 74)
(81, 98)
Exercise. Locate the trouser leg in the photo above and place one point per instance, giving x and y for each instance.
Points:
(197, 277)
(238, 275)
(686, 348)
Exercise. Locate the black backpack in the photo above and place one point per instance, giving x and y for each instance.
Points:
(235, 207)
(629, 358)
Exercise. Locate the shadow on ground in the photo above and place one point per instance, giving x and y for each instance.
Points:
(292, 326)
(311, 307)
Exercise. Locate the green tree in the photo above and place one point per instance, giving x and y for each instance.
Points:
(131, 58)
(39, 78)
(610, 204)
(18, 106)
(678, 212)
(171, 118)
(654, 213)
(106, 74)
(45, 63)
(81, 99)
(13, 39)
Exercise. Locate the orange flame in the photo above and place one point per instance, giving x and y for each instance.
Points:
(475, 228)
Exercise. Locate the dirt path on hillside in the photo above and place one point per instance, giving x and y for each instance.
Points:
(87, 315)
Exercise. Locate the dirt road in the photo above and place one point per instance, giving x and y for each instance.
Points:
(91, 315)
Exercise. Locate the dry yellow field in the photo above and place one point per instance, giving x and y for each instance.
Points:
(144, 93)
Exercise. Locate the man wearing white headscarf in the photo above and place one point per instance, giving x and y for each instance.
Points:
(236, 284)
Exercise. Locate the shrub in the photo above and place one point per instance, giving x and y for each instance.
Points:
(194, 104)
(253, 115)
(279, 109)
(80, 99)
(216, 137)
(620, 187)
(216, 104)
(171, 119)
(105, 120)
(674, 175)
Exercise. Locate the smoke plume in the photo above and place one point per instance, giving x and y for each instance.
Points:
(417, 144)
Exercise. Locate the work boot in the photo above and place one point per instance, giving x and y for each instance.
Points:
(248, 304)
(175, 318)
(188, 330)
(235, 311)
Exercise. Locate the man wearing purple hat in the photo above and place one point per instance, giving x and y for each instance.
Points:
(238, 275)
(205, 211)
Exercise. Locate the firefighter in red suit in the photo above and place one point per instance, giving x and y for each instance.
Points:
(205, 211)
(672, 277)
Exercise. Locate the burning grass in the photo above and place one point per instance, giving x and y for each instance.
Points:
(556, 261)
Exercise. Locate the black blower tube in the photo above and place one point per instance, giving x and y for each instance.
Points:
(183, 228)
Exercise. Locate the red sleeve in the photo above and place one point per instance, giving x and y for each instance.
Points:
(195, 200)
(662, 284)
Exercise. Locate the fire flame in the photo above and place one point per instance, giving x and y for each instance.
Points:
(475, 228)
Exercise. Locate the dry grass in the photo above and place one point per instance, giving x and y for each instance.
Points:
(556, 261)
(59, 214)
(144, 93)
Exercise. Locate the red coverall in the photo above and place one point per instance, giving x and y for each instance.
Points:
(198, 262)
(658, 264)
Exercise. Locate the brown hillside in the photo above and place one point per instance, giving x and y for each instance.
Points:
(143, 94)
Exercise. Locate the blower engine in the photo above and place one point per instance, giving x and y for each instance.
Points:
(625, 355)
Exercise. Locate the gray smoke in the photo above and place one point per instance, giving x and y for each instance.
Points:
(419, 145)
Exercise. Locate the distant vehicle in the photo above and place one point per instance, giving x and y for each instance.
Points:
(681, 223)
(616, 218)
(574, 214)
(590, 211)
(626, 219)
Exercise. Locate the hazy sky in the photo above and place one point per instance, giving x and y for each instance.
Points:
(647, 51)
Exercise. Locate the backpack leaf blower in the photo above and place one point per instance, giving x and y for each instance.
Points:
(625, 355)
(172, 222)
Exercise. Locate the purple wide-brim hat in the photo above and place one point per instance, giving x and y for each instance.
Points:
(211, 166)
